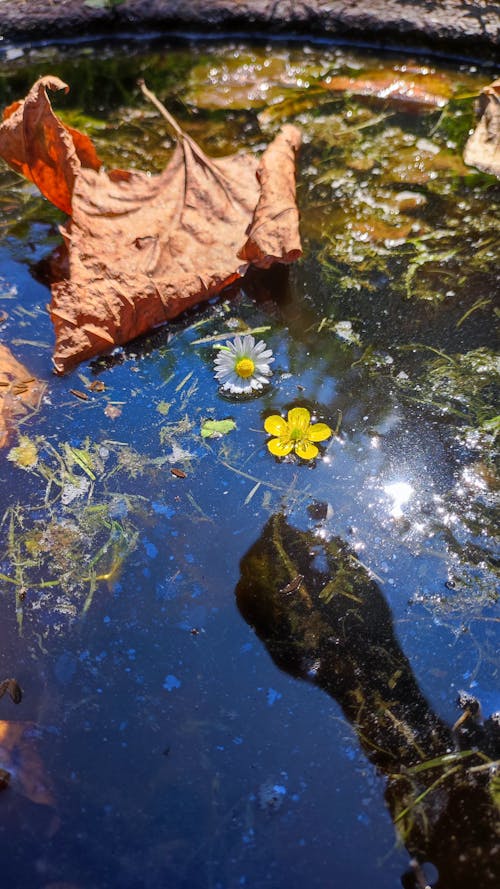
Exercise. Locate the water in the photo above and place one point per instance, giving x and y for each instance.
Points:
(187, 720)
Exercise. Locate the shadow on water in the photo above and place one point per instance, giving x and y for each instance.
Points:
(324, 620)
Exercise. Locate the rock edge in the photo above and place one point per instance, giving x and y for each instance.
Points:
(464, 28)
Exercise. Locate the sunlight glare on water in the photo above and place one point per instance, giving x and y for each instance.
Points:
(400, 493)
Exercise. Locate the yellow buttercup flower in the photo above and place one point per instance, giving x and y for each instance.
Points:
(296, 433)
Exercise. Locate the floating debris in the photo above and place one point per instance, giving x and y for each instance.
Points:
(13, 689)
(217, 428)
(179, 473)
(293, 585)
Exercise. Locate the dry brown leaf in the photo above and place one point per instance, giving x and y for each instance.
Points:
(19, 391)
(143, 248)
(36, 144)
(20, 758)
(483, 147)
(276, 222)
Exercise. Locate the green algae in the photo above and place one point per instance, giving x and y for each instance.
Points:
(465, 386)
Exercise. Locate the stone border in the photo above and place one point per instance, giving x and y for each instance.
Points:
(465, 28)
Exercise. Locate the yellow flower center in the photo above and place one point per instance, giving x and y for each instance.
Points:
(245, 367)
(296, 434)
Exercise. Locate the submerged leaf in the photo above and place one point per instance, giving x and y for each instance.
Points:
(418, 89)
(239, 82)
(20, 758)
(141, 248)
(19, 391)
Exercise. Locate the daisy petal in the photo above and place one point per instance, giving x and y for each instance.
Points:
(235, 389)
(279, 448)
(223, 369)
(318, 432)
(236, 384)
(227, 349)
(306, 450)
(276, 425)
(261, 347)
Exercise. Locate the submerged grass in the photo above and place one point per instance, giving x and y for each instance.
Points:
(454, 768)
(464, 386)
(65, 553)
(75, 536)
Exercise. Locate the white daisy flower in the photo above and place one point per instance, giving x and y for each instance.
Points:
(242, 366)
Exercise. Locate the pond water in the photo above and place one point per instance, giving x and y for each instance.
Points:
(247, 673)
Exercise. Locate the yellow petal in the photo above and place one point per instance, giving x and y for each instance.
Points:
(306, 450)
(298, 418)
(276, 425)
(318, 432)
(279, 448)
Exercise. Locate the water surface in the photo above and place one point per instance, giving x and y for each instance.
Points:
(166, 735)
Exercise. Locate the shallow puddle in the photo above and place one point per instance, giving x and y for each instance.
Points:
(239, 670)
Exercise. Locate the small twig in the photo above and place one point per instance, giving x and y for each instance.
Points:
(424, 793)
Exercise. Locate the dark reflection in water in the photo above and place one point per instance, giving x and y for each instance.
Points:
(324, 620)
